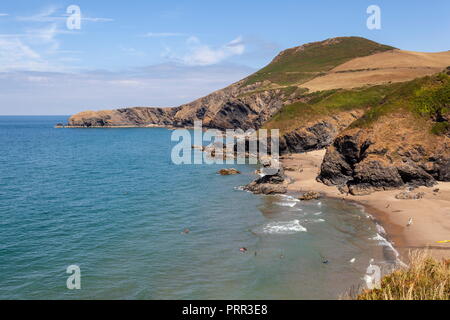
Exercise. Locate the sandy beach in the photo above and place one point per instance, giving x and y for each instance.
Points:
(430, 214)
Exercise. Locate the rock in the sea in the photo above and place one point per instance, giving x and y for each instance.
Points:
(227, 172)
(272, 182)
(265, 188)
(310, 195)
(317, 134)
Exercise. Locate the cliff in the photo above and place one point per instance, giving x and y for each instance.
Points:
(404, 140)
(251, 101)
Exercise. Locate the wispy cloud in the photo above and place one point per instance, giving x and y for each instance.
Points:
(49, 14)
(200, 54)
(36, 48)
(4, 14)
(163, 34)
(45, 15)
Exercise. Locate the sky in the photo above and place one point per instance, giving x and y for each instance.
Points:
(166, 53)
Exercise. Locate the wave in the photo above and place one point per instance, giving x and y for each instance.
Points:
(314, 220)
(290, 198)
(285, 204)
(284, 227)
(385, 243)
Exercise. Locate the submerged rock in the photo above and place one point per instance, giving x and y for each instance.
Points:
(227, 172)
(310, 195)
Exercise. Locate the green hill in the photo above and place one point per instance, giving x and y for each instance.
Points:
(300, 64)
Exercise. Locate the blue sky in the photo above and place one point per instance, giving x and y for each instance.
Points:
(165, 53)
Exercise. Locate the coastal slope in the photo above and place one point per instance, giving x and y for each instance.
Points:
(311, 93)
(404, 140)
(252, 101)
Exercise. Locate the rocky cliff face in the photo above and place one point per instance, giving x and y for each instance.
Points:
(233, 107)
(317, 134)
(392, 154)
(229, 108)
(139, 116)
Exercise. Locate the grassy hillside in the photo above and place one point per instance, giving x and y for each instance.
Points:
(425, 279)
(300, 64)
(426, 98)
(325, 103)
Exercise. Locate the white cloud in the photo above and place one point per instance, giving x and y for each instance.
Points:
(34, 50)
(44, 16)
(37, 48)
(203, 55)
(4, 14)
(15, 55)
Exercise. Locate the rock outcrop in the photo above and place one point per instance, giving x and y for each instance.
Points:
(317, 134)
(127, 117)
(366, 160)
(272, 180)
(310, 195)
(268, 184)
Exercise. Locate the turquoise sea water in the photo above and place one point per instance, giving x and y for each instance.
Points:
(112, 202)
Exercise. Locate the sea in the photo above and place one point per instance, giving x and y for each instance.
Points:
(112, 203)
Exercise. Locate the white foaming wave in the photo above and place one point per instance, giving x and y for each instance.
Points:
(380, 229)
(241, 188)
(383, 242)
(314, 220)
(284, 227)
(290, 198)
(285, 204)
(317, 213)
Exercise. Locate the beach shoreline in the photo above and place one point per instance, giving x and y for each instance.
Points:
(430, 215)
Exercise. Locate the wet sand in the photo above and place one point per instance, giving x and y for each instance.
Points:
(430, 215)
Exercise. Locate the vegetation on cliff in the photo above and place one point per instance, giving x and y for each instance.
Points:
(425, 279)
(427, 98)
(404, 140)
(324, 103)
